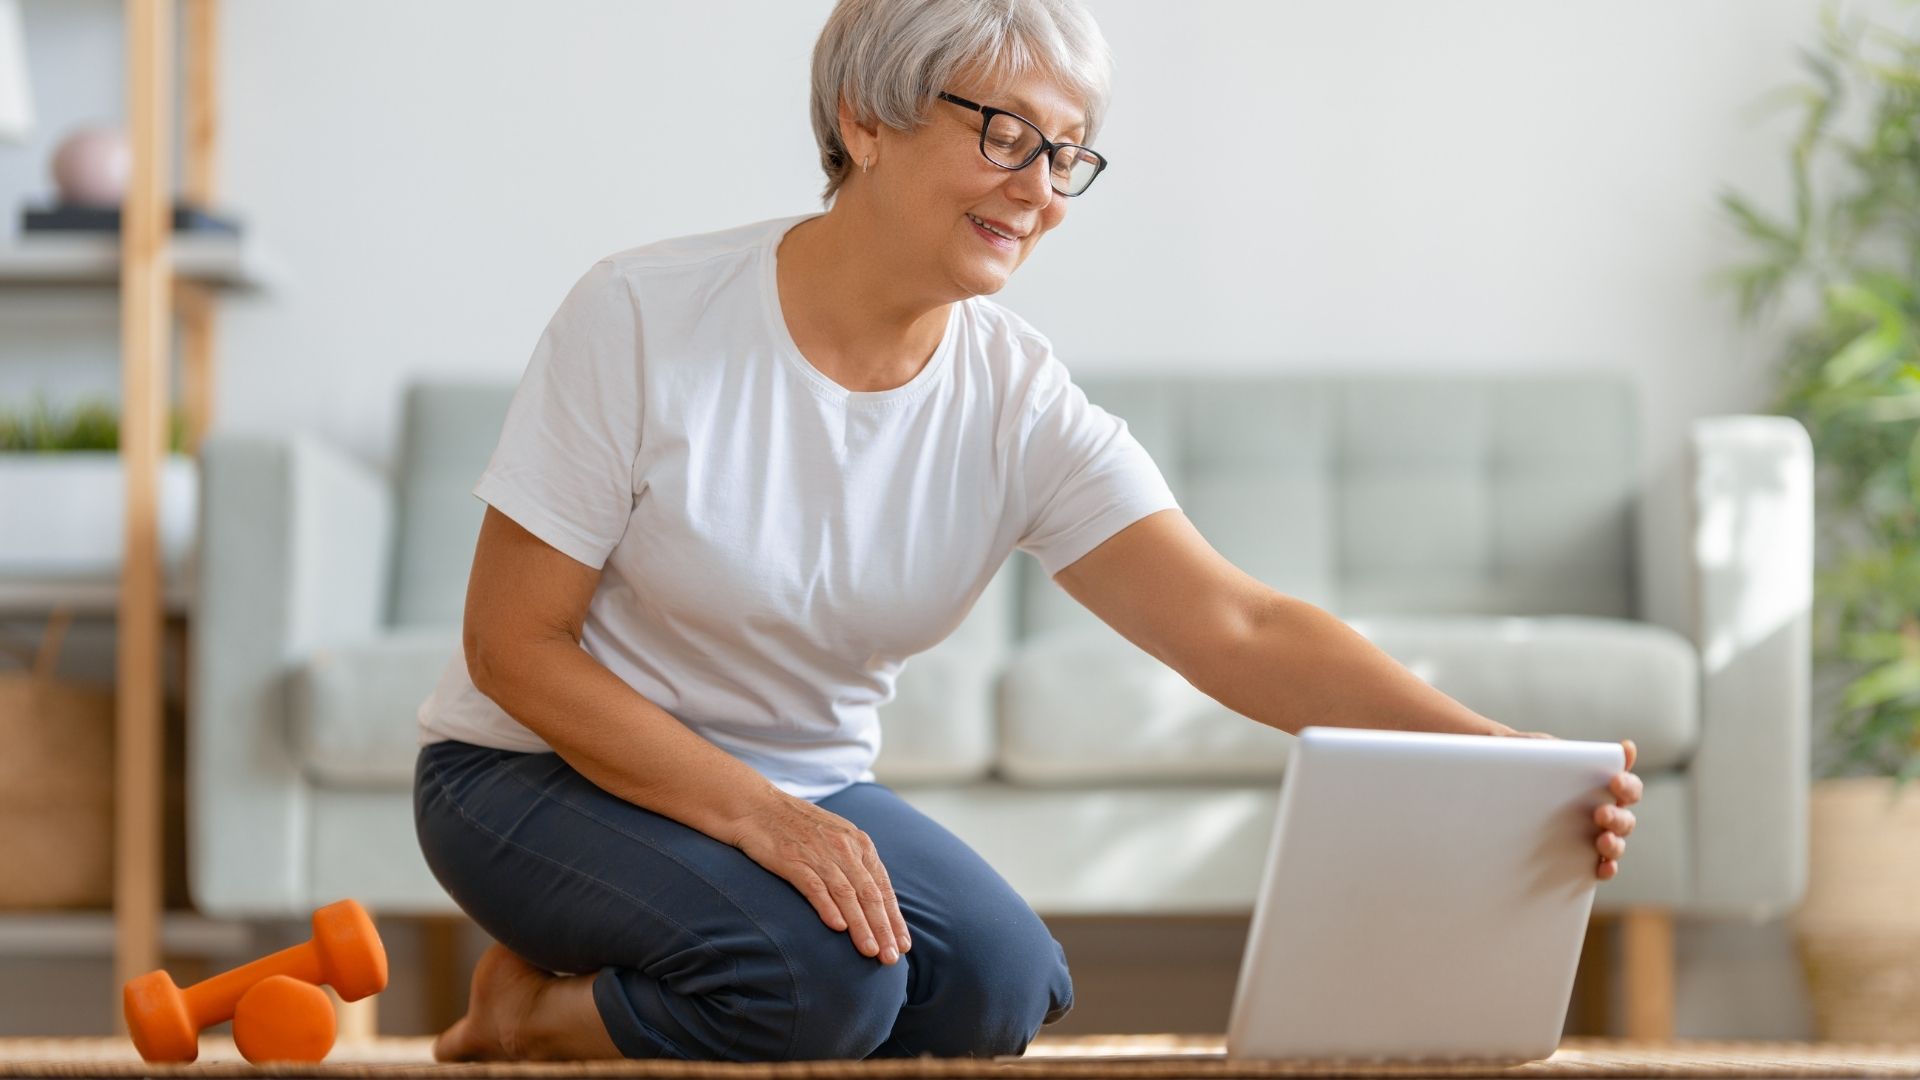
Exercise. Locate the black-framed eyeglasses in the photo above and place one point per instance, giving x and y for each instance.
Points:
(1011, 141)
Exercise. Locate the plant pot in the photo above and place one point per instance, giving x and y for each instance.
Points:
(1858, 929)
(62, 514)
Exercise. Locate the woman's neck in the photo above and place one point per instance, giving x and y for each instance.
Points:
(852, 304)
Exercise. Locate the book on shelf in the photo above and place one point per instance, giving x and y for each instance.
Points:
(67, 218)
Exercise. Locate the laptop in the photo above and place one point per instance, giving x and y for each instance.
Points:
(1425, 898)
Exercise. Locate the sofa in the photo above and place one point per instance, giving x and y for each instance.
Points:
(1482, 529)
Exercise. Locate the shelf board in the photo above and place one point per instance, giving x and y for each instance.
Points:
(91, 933)
(84, 258)
(84, 596)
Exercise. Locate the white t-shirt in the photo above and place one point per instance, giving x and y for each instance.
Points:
(773, 545)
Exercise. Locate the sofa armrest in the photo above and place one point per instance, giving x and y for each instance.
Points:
(295, 539)
(1752, 543)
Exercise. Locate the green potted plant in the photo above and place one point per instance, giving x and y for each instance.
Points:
(1847, 252)
(62, 494)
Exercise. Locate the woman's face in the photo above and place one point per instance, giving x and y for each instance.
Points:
(933, 182)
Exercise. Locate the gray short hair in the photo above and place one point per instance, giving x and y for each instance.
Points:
(890, 57)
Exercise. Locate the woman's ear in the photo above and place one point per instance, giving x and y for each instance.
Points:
(862, 141)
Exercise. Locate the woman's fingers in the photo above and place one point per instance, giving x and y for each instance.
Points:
(877, 907)
(847, 897)
(835, 866)
(875, 900)
(1626, 788)
(894, 917)
(815, 890)
(839, 903)
(1614, 818)
(1616, 822)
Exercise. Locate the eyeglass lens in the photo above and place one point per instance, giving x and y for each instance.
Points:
(1011, 142)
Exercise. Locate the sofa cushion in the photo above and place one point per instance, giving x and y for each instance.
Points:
(939, 727)
(352, 710)
(1086, 706)
(1127, 849)
(1571, 676)
(352, 705)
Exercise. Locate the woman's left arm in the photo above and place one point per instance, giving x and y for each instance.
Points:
(1274, 658)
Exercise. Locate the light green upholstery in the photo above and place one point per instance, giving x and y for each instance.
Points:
(1399, 496)
(1480, 529)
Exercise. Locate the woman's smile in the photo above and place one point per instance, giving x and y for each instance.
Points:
(991, 237)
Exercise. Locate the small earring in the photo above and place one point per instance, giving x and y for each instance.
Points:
(863, 164)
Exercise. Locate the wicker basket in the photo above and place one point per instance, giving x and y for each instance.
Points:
(56, 785)
(1858, 930)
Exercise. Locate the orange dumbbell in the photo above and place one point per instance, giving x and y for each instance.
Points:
(345, 953)
(283, 1019)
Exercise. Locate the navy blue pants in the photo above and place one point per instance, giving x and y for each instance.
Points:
(698, 952)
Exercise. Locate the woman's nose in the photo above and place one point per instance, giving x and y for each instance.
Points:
(1033, 185)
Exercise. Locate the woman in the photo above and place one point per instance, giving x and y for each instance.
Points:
(745, 476)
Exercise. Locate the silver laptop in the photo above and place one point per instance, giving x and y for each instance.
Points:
(1425, 898)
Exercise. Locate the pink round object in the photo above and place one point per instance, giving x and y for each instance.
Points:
(90, 167)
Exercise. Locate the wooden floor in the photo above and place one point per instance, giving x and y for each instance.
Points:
(1136, 1057)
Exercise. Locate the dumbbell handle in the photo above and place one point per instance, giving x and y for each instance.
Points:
(212, 1000)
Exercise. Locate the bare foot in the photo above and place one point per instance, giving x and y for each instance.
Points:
(505, 989)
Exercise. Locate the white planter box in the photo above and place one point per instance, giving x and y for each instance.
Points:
(62, 514)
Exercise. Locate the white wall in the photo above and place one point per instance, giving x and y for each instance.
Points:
(1489, 184)
(1345, 184)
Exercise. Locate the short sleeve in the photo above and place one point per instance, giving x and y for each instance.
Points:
(563, 468)
(1086, 477)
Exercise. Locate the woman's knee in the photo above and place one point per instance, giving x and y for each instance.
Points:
(769, 1001)
(1009, 989)
(841, 1005)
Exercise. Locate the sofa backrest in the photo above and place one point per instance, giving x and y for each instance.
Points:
(447, 434)
(1365, 495)
(1378, 494)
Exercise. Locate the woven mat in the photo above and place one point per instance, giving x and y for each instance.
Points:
(1128, 1057)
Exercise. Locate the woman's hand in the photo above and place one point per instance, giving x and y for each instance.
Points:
(835, 866)
(1615, 821)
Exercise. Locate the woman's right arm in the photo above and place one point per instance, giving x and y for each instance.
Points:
(526, 604)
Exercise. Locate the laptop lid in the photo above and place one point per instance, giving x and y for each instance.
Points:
(1425, 897)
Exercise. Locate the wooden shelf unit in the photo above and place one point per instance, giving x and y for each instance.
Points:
(161, 279)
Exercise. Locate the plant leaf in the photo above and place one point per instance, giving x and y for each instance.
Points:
(1756, 225)
(1862, 355)
(1884, 684)
(1882, 645)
